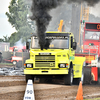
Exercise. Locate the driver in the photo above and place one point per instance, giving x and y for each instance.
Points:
(94, 36)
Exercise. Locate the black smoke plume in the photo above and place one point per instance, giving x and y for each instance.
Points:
(40, 13)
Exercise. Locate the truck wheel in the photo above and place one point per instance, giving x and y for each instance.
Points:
(82, 78)
(68, 79)
(42, 80)
(29, 77)
(14, 62)
(76, 81)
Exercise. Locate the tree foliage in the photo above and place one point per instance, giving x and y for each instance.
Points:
(4, 39)
(13, 38)
(1, 40)
(17, 17)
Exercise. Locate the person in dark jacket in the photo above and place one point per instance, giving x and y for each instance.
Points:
(0, 57)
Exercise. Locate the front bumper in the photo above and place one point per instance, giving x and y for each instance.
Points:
(46, 72)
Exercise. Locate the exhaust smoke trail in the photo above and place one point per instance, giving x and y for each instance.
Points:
(40, 13)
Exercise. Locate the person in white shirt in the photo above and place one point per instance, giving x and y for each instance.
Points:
(94, 36)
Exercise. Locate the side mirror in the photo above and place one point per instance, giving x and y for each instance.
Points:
(27, 45)
(74, 45)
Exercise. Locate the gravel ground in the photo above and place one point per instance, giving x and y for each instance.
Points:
(13, 88)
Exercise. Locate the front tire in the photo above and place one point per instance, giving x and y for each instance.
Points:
(42, 80)
(68, 79)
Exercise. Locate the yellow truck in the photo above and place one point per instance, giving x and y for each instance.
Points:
(56, 60)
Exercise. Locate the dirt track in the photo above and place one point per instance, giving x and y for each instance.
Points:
(13, 88)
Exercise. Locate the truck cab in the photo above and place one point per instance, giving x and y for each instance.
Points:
(56, 60)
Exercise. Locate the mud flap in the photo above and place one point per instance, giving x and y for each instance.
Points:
(94, 71)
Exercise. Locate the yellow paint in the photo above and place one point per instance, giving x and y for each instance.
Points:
(49, 72)
(78, 66)
(89, 58)
(48, 65)
(60, 26)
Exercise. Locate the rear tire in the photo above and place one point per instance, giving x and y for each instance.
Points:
(82, 78)
(68, 79)
(29, 77)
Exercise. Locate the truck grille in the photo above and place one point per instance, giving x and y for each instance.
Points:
(45, 58)
(44, 61)
(44, 64)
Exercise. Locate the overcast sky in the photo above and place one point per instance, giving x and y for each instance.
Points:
(5, 26)
(95, 10)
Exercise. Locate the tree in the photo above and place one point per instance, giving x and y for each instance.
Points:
(1, 40)
(17, 16)
(13, 38)
(6, 38)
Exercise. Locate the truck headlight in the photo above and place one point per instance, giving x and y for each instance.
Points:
(29, 65)
(62, 65)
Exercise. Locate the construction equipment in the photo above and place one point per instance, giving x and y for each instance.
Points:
(61, 27)
(16, 55)
(91, 49)
(91, 45)
(91, 38)
(89, 73)
(56, 60)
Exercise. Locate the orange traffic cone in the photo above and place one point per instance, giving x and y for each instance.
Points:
(80, 92)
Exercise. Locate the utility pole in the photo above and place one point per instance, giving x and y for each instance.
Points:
(75, 23)
(84, 16)
(80, 14)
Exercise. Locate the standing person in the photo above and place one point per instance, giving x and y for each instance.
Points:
(0, 57)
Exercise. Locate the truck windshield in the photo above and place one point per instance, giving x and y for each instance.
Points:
(54, 43)
(92, 35)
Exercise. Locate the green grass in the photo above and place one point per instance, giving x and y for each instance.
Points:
(93, 99)
(6, 64)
